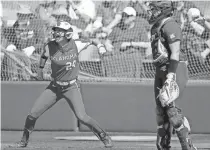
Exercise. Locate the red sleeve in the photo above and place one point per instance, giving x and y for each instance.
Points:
(172, 32)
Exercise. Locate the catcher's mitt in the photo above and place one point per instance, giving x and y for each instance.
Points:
(169, 92)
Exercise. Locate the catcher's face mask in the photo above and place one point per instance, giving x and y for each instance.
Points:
(158, 10)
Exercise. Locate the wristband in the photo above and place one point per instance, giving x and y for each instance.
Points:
(42, 61)
(173, 66)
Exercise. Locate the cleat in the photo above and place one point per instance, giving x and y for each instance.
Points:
(20, 144)
(165, 143)
(107, 141)
(164, 137)
(191, 144)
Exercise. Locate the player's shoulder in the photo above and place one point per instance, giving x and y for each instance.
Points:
(172, 25)
(72, 44)
(49, 44)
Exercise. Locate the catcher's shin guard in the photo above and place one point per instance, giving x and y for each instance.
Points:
(174, 115)
(183, 133)
(164, 134)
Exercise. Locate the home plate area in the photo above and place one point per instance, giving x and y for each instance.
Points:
(114, 138)
(88, 141)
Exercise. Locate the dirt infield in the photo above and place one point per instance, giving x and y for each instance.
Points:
(46, 141)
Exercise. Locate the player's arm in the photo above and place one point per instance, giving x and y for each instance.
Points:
(199, 29)
(174, 58)
(173, 36)
(140, 44)
(44, 56)
(99, 45)
(113, 23)
(85, 42)
(120, 5)
(43, 59)
(169, 92)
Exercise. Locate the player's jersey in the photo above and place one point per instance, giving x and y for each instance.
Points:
(64, 63)
(168, 33)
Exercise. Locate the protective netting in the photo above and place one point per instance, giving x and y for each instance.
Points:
(21, 44)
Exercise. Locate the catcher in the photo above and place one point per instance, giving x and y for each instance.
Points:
(63, 53)
(171, 75)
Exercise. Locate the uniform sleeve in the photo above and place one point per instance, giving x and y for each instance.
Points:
(81, 44)
(172, 32)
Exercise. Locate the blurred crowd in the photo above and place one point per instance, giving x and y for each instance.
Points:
(120, 25)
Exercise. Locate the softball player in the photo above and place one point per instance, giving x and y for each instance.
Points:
(171, 75)
(63, 54)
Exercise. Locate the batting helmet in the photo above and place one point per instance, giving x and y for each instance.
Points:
(66, 27)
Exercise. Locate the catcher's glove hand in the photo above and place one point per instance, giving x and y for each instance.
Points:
(170, 90)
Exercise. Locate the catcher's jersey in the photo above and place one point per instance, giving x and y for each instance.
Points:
(64, 62)
(168, 33)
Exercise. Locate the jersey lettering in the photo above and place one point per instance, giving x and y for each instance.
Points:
(63, 58)
(64, 64)
(70, 65)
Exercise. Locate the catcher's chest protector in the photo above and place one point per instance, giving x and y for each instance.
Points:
(160, 48)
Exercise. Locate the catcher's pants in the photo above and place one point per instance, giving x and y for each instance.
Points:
(160, 77)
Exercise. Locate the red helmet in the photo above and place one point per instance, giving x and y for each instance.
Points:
(159, 10)
(66, 27)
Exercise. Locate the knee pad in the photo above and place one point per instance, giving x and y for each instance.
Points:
(186, 124)
(175, 118)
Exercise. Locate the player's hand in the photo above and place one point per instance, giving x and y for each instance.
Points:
(170, 90)
(101, 49)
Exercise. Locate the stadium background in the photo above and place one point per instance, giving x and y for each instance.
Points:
(119, 102)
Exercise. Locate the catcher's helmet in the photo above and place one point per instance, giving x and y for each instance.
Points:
(66, 27)
(159, 10)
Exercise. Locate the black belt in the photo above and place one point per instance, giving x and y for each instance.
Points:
(65, 83)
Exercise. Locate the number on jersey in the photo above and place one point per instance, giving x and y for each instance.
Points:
(70, 65)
